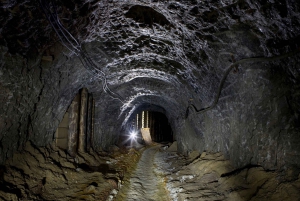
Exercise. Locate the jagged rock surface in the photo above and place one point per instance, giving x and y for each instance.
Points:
(211, 177)
(160, 174)
(50, 174)
(158, 54)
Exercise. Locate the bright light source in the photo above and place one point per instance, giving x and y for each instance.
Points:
(133, 135)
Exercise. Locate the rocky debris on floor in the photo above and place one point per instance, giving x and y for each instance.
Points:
(193, 155)
(49, 173)
(210, 176)
(173, 147)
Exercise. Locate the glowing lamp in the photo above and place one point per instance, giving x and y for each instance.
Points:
(133, 135)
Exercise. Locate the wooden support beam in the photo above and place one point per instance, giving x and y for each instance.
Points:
(73, 126)
(89, 122)
(82, 121)
(93, 125)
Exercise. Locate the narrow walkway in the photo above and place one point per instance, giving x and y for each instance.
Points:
(145, 185)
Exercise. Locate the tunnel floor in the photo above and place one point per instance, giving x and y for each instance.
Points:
(163, 175)
(152, 173)
(145, 184)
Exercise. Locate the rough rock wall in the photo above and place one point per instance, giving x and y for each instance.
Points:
(20, 89)
(258, 123)
(257, 118)
(164, 53)
(35, 93)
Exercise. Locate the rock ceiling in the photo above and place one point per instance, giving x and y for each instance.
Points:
(160, 53)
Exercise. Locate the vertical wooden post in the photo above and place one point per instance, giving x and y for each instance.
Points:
(93, 125)
(137, 121)
(143, 119)
(82, 121)
(156, 127)
(147, 122)
(151, 125)
(89, 122)
(140, 119)
(73, 125)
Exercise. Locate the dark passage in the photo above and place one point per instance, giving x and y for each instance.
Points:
(158, 124)
(160, 129)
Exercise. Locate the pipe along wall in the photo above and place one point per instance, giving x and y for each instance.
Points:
(76, 130)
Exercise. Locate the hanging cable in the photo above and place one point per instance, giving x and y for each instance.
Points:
(68, 40)
(228, 70)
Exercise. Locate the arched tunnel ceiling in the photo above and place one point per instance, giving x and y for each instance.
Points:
(185, 42)
(164, 53)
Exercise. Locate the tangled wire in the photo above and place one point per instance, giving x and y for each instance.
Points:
(228, 70)
(50, 10)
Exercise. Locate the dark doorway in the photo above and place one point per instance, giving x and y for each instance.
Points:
(158, 124)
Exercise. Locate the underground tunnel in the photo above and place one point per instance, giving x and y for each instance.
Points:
(149, 100)
(147, 124)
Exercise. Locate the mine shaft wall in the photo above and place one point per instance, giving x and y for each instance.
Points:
(256, 120)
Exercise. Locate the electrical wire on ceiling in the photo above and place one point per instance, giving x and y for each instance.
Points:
(50, 10)
(229, 69)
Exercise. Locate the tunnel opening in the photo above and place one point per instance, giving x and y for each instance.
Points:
(148, 126)
(158, 125)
